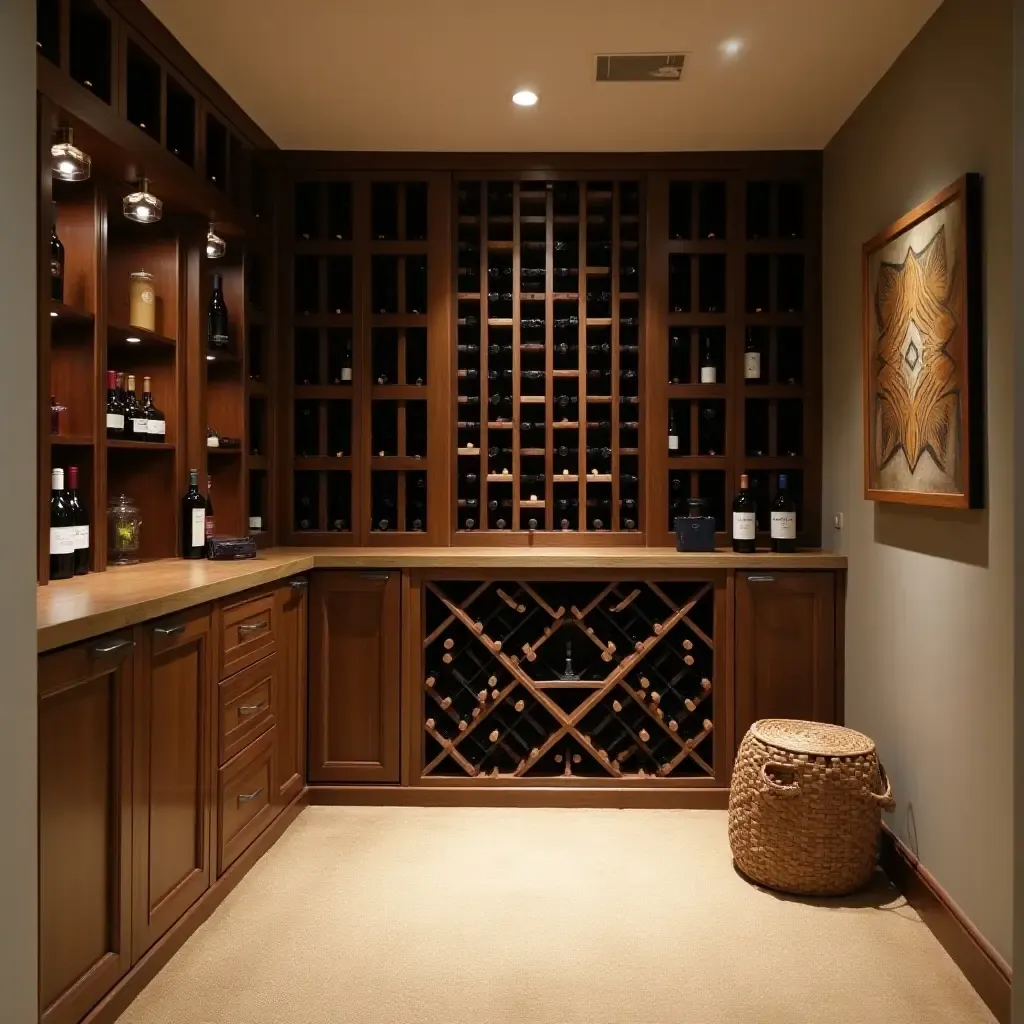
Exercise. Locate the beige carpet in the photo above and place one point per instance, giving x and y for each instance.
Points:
(487, 916)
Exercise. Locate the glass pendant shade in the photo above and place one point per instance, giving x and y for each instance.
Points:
(215, 245)
(69, 162)
(142, 206)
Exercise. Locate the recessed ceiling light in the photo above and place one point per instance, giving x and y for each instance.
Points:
(524, 98)
(731, 47)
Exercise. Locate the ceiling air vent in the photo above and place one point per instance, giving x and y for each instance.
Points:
(640, 67)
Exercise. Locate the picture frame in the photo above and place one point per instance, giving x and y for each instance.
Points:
(922, 354)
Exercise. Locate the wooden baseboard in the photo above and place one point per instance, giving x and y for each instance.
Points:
(526, 796)
(981, 964)
(118, 998)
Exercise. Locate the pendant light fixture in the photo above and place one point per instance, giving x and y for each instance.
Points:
(142, 206)
(69, 162)
(215, 245)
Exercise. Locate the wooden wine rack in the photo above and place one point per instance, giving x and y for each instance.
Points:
(548, 427)
(570, 680)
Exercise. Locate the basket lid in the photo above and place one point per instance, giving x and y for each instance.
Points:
(816, 738)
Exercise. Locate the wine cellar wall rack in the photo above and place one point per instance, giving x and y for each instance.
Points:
(571, 304)
(571, 681)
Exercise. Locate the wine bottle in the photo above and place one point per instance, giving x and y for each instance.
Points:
(217, 319)
(629, 524)
(62, 530)
(156, 422)
(56, 262)
(115, 410)
(345, 375)
(711, 431)
(208, 511)
(255, 512)
(673, 432)
(502, 373)
(80, 518)
(783, 519)
(193, 519)
(136, 423)
(708, 370)
(744, 519)
(751, 359)
(467, 350)
(467, 502)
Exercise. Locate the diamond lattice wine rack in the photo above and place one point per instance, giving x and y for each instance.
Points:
(570, 680)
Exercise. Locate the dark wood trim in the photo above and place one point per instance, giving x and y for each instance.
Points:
(667, 797)
(989, 974)
(118, 999)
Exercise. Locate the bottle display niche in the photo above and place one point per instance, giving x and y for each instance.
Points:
(742, 351)
(549, 338)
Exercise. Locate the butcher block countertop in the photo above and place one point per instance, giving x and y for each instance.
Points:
(68, 611)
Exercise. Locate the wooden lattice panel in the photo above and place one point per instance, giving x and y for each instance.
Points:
(546, 679)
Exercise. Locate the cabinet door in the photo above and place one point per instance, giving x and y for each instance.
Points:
(85, 711)
(354, 685)
(291, 701)
(174, 796)
(785, 647)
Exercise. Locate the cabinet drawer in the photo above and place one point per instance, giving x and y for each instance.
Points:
(244, 806)
(247, 706)
(246, 632)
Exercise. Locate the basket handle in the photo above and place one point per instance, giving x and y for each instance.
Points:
(884, 800)
(778, 788)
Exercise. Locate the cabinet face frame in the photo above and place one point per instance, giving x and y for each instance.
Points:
(293, 676)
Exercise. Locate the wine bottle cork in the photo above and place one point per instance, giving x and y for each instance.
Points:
(688, 658)
(687, 645)
(644, 735)
(449, 643)
(430, 680)
(430, 723)
(558, 758)
(659, 713)
(478, 627)
(493, 681)
(519, 705)
(497, 644)
(493, 737)
(655, 697)
(482, 696)
(658, 629)
(645, 682)
(708, 724)
(576, 758)
(446, 658)
(495, 694)
(673, 725)
(603, 754)
(706, 683)
(638, 646)
(475, 712)
(641, 694)
(690, 706)
(616, 705)
(532, 656)
(611, 647)
(462, 725)
(535, 752)
(446, 703)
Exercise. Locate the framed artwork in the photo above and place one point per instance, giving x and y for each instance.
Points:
(923, 372)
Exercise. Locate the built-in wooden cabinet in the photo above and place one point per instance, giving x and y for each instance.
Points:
(354, 634)
(291, 714)
(786, 655)
(172, 853)
(85, 824)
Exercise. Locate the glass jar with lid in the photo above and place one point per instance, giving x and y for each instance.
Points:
(142, 301)
(124, 531)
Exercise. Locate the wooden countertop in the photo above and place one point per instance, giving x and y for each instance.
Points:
(71, 610)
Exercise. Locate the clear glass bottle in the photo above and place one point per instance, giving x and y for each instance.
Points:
(124, 535)
(142, 302)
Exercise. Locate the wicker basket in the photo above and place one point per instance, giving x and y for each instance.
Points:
(805, 807)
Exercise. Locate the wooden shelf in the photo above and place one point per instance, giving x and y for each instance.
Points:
(65, 317)
(147, 340)
(140, 446)
(76, 440)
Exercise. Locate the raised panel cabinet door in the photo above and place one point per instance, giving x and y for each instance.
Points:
(173, 780)
(355, 632)
(785, 647)
(291, 704)
(85, 742)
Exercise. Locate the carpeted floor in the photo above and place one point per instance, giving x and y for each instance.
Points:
(485, 916)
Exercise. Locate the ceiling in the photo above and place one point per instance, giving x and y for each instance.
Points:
(439, 74)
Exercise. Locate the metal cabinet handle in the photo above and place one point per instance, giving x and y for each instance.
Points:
(244, 798)
(117, 645)
(251, 709)
(252, 627)
(374, 576)
(299, 584)
(169, 630)
(760, 579)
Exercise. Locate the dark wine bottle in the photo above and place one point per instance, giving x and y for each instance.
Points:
(62, 530)
(673, 432)
(708, 369)
(80, 517)
(115, 410)
(217, 319)
(56, 261)
(783, 513)
(209, 524)
(136, 423)
(193, 519)
(751, 358)
(156, 422)
(744, 519)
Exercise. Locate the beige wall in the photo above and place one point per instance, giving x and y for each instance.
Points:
(17, 512)
(929, 662)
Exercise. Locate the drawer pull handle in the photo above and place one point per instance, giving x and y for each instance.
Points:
(373, 576)
(169, 630)
(245, 798)
(117, 645)
(760, 579)
(252, 627)
(251, 709)
(299, 584)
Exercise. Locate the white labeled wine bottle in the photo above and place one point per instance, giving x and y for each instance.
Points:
(744, 519)
(193, 519)
(62, 530)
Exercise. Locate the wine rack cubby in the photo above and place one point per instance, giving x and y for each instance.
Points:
(562, 681)
(548, 329)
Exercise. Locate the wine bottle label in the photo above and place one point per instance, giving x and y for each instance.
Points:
(213, 442)
(743, 526)
(209, 527)
(346, 373)
(140, 426)
(115, 421)
(62, 540)
(158, 427)
(198, 527)
(81, 537)
(708, 375)
(752, 365)
(673, 442)
(784, 525)
(218, 340)
(56, 270)
(255, 522)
